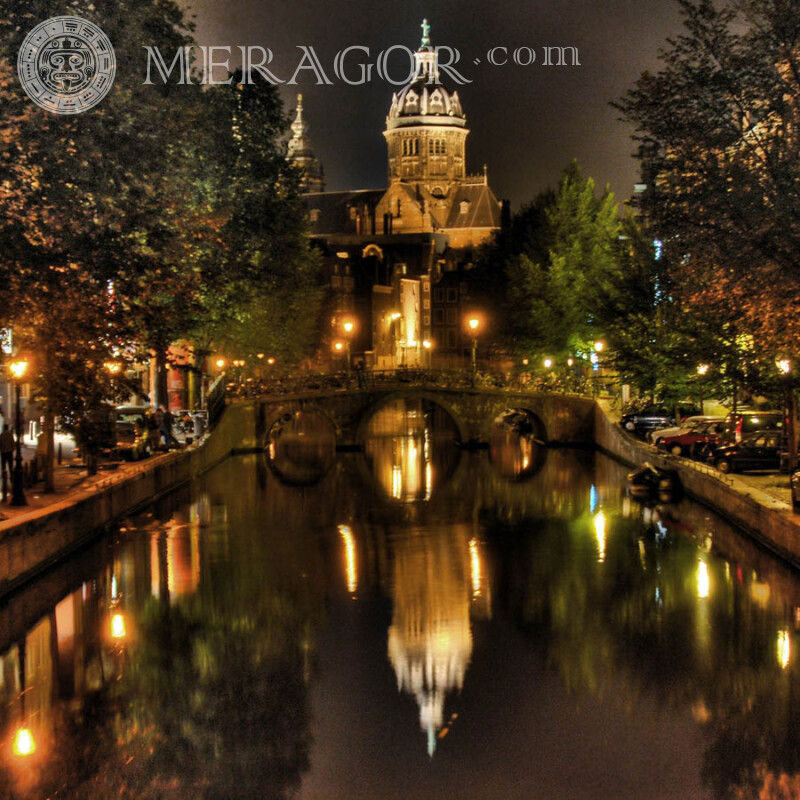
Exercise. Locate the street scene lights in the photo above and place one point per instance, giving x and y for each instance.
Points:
(427, 346)
(348, 327)
(18, 369)
(474, 324)
(784, 366)
(702, 371)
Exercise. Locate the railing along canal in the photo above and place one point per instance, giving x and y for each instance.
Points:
(249, 388)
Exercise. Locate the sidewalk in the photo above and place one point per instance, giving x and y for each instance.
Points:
(70, 479)
(775, 484)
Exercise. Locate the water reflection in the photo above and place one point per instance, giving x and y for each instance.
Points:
(515, 447)
(411, 446)
(436, 576)
(182, 657)
(301, 447)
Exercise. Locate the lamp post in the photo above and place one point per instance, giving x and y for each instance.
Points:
(426, 346)
(599, 346)
(702, 371)
(473, 323)
(785, 367)
(18, 369)
(348, 326)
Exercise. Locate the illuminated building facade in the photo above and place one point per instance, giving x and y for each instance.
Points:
(422, 229)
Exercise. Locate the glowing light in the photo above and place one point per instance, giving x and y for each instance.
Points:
(220, 363)
(548, 362)
(600, 532)
(338, 347)
(784, 365)
(397, 482)
(474, 323)
(426, 344)
(570, 362)
(703, 582)
(475, 565)
(24, 744)
(348, 326)
(702, 369)
(270, 360)
(349, 558)
(18, 368)
(113, 367)
(593, 499)
(118, 626)
(784, 648)
(599, 347)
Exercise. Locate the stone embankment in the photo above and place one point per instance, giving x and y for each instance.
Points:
(761, 515)
(31, 540)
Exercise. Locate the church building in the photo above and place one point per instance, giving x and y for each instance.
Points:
(395, 257)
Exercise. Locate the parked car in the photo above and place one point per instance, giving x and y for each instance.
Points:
(747, 422)
(687, 424)
(760, 450)
(688, 442)
(132, 442)
(657, 416)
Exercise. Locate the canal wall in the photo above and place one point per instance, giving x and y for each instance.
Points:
(36, 540)
(765, 518)
(32, 542)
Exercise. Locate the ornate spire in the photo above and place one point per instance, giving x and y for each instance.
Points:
(300, 153)
(298, 142)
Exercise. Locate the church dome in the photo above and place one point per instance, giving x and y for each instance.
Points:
(425, 100)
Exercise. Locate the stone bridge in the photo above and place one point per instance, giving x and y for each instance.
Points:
(559, 419)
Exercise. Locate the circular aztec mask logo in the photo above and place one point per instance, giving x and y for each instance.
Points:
(66, 65)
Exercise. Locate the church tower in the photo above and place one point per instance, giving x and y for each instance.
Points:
(301, 155)
(426, 129)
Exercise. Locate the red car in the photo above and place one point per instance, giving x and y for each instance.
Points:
(693, 440)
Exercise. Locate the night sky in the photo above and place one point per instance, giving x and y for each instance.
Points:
(527, 122)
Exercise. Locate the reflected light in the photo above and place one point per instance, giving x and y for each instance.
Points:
(784, 648)
(24, 743)
(397, 482)
(118, 626)
(349, 558)
(703, 584)
(475, 564)
(600, 533)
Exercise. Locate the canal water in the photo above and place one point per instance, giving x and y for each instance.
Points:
(410, 621)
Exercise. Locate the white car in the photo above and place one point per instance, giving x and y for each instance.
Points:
(677, 430)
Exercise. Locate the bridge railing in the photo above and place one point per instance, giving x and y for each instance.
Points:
(355, 380)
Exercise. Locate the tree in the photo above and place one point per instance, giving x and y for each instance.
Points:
(718, 130)
(556, 255)
(83, 207)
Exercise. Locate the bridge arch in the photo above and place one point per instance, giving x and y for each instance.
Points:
(523, 420)
(369, 411)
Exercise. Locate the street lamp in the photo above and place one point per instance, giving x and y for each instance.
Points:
(702, 371)
(473, 323)
(18, 369)
(785, 367)
(427, 345)
(348, 326)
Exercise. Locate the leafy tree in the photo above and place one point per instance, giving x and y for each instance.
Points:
(717, 128)
(555, 257)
